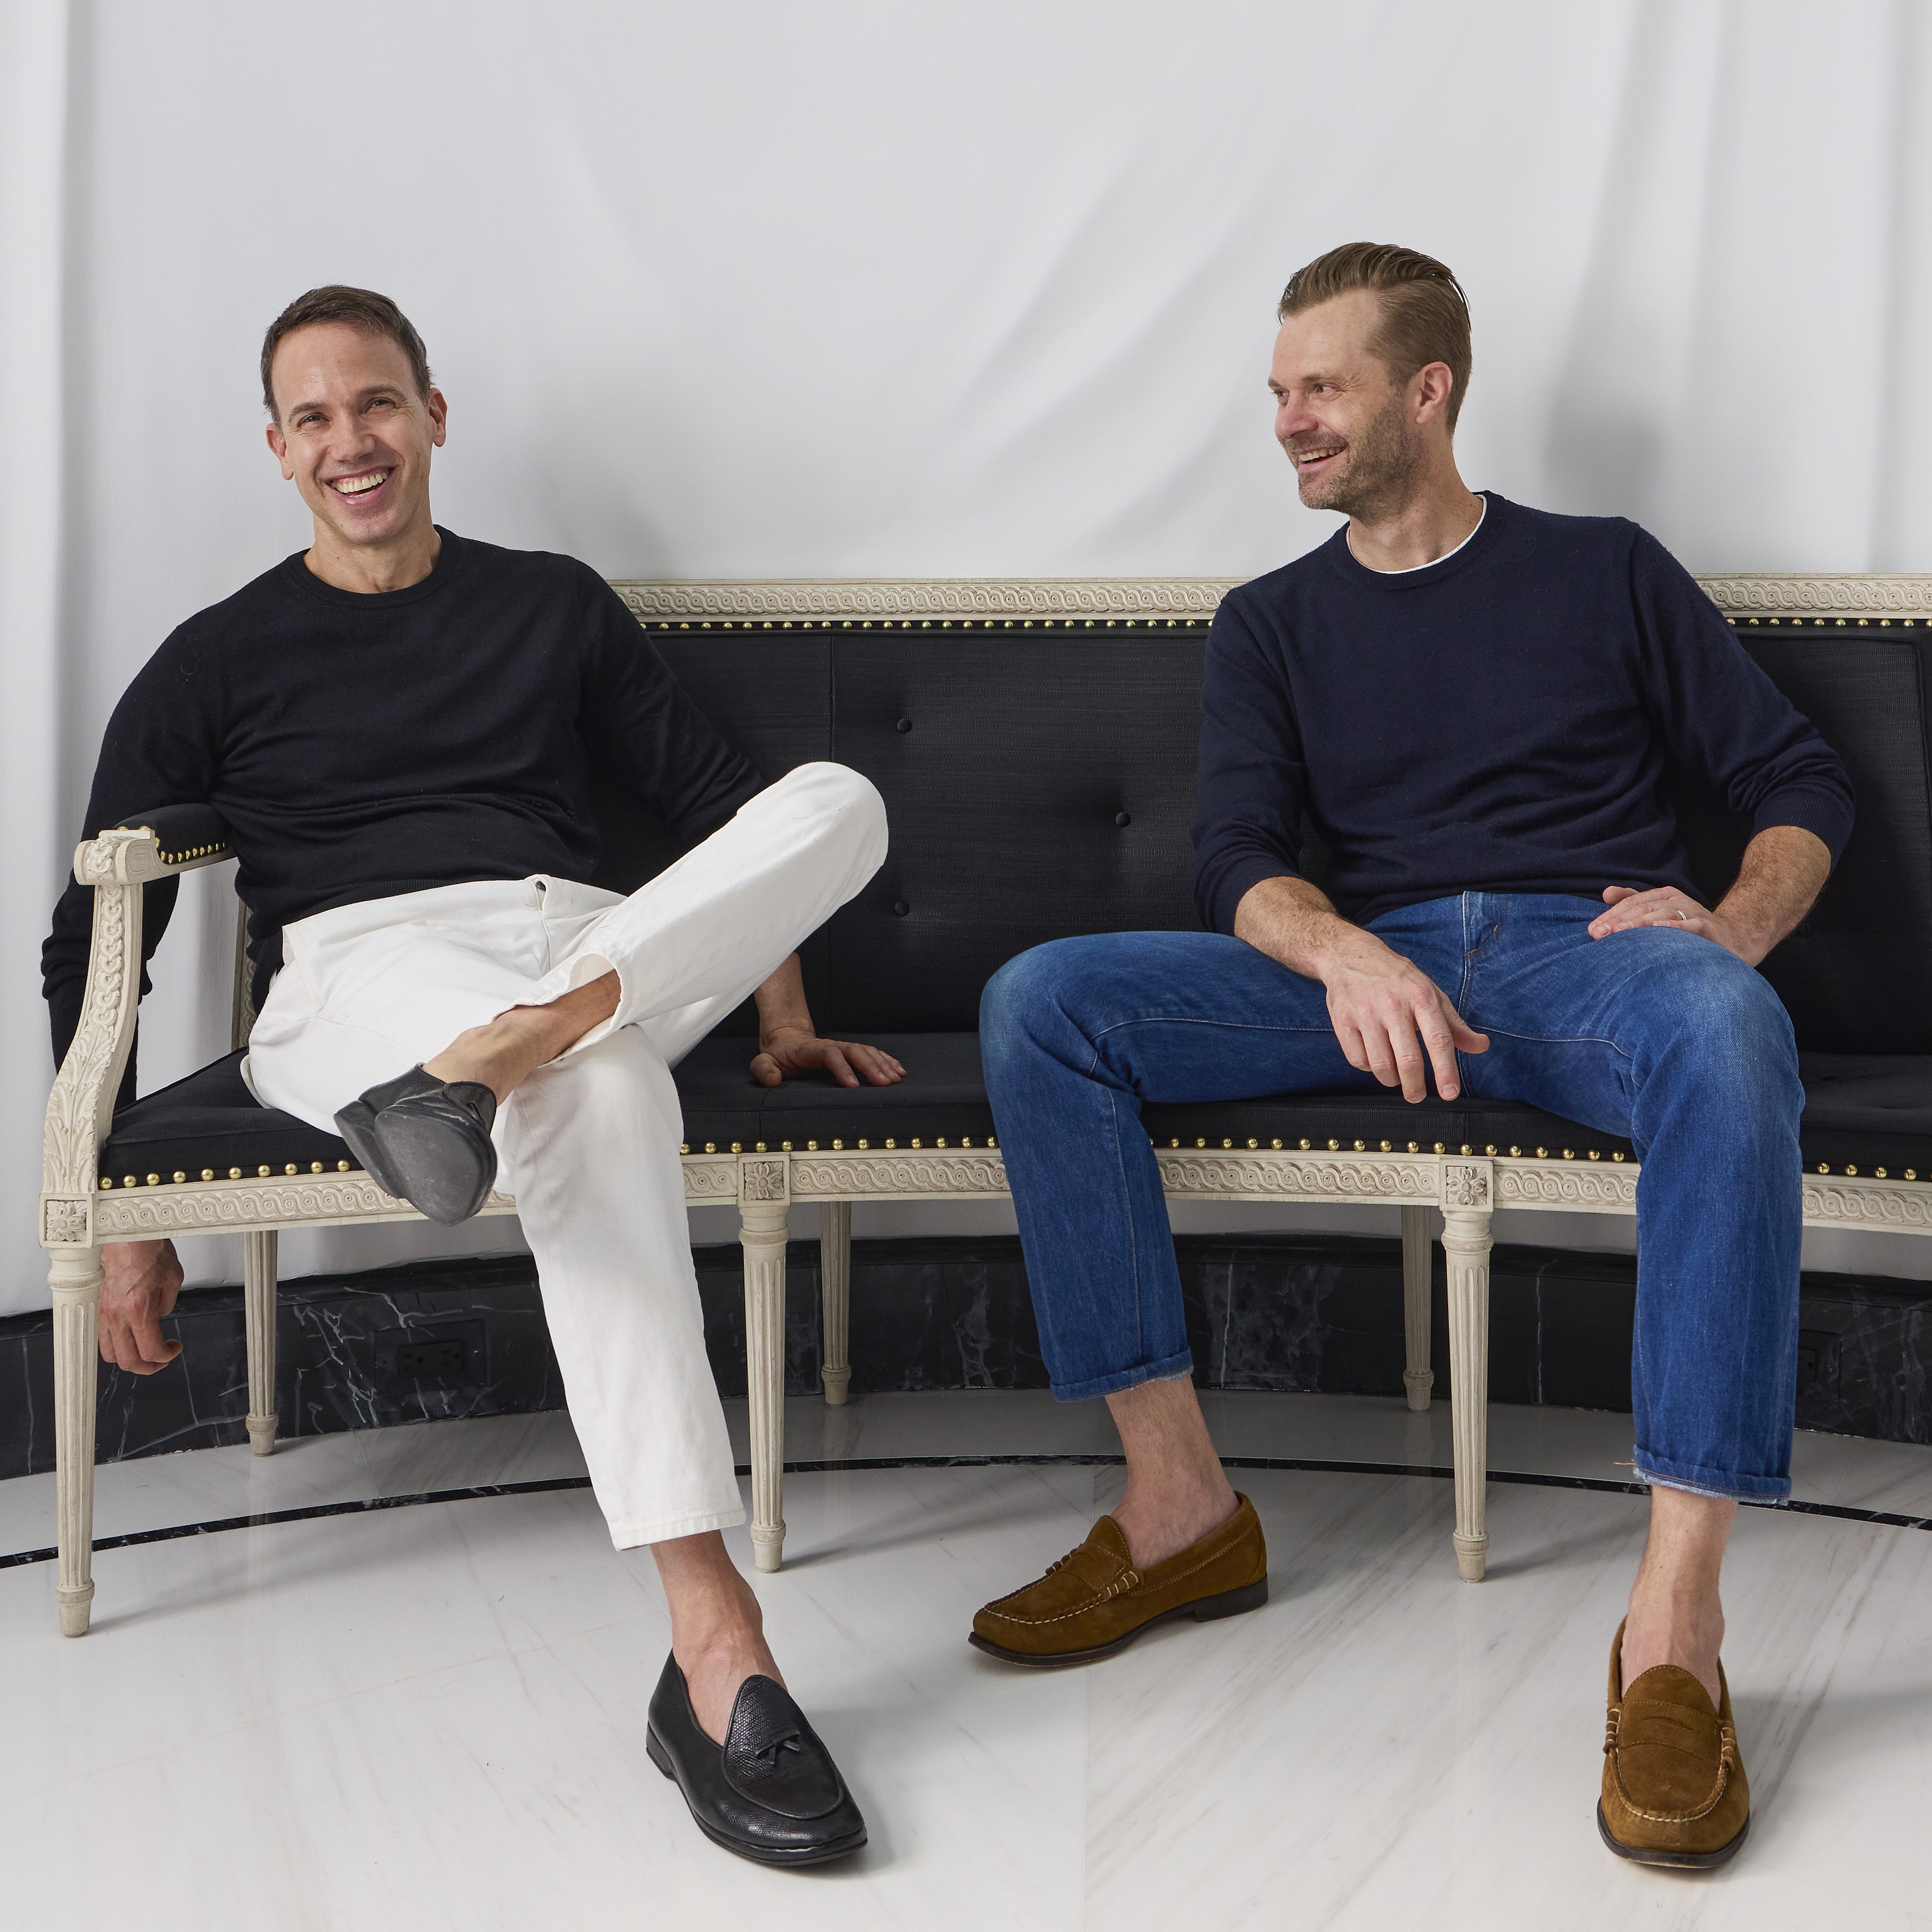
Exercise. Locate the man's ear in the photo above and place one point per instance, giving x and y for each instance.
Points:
(278, 445)
(439, 416)
(1430, 388)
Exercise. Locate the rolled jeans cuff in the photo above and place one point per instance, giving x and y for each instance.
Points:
(1169, 1368)
(1724, 1484)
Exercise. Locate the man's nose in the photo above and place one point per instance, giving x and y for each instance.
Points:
(1292, 418)
(350, 436)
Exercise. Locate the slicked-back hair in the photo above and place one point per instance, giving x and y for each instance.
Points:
(1425, 315)
(360, 308)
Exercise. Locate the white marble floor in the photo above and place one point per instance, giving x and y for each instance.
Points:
(432, 1716)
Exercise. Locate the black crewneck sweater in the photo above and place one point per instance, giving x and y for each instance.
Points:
(361, 746)
(1497, 721)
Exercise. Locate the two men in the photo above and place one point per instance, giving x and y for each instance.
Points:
(399, 726)
(1472, 703)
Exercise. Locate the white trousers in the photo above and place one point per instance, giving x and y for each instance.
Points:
(588, 1145)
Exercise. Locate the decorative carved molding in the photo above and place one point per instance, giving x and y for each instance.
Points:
(1359, 1176)
(710, 1180)
(64, 1221)
(1904, 1205)
(81, 1103)
(217, 1205)
(1844, 595)
(823, 1176)
(783, 600)
(1600, 1189)
(762, 1180)
(940, 598)
(1465, 1183)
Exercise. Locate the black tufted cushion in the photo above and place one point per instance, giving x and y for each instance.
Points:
(1024, 749)
(1867, 1111)
(942, 1095)
(1040, 780)
(211, 1120)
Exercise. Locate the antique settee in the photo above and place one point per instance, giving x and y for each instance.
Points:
(1034, 742)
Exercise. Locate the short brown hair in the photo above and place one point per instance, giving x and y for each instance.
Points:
(1425, 315)
(360, 308)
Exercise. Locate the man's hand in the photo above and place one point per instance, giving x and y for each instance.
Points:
(140, 1281)
(800, 1050)
(1380, 1004)
(1784, 870)
(788, 1043)
(1665, 905)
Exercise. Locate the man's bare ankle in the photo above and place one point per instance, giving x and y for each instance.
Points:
(1654, 1636)
(1158, 1529)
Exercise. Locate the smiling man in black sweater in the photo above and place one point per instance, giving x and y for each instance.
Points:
(1471, 704)
(398, 725)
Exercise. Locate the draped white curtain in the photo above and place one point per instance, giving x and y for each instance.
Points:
(851, 288)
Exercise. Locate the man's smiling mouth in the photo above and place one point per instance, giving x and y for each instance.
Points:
(1303, 457)
(359, 486)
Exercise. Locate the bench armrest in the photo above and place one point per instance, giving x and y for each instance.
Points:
(80, 1108)
(156, 845)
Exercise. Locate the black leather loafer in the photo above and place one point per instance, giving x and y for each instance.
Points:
(427, 1141)
(770, 1793)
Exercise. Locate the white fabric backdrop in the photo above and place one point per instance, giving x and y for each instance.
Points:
(855, 288)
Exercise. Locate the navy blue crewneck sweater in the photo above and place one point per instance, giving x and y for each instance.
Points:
(1498, 721)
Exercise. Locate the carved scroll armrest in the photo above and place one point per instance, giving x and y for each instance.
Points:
(80, 1108)
(155, 845)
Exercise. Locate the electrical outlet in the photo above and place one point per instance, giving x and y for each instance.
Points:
(1817, 1365)
(442, 1351)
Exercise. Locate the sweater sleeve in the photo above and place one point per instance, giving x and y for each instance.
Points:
(1252, 781)
(160, 747)
(642, 725)
(1722, 716)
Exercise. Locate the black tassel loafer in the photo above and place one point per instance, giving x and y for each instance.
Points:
(770, 1791)
(427, 1141)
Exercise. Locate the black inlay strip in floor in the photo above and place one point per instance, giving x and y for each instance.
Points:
(1885, 1518)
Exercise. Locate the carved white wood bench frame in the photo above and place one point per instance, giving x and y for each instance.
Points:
(79, 1214)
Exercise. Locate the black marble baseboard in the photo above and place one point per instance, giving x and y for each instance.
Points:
(1285, 1313)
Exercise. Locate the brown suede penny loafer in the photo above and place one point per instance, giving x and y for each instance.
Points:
(1675, 1793)
(1093, 1602)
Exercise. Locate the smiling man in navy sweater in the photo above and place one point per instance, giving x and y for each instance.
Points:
(1471, 704)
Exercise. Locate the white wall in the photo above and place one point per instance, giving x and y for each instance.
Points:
(854, 288)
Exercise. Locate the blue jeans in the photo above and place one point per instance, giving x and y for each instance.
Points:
(1661, 1036)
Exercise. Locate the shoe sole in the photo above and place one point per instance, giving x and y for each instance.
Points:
(421, 1150)
(1228, 1604)
(408, 1157)
(354, 1123)
(1673, 1860)
(759, 1855)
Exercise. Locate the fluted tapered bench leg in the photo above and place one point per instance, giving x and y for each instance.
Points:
(761, 1232)
(75, 1278)
(1416, 1271)
(258, 1297)
(835, 1278)
(1466, 1243)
